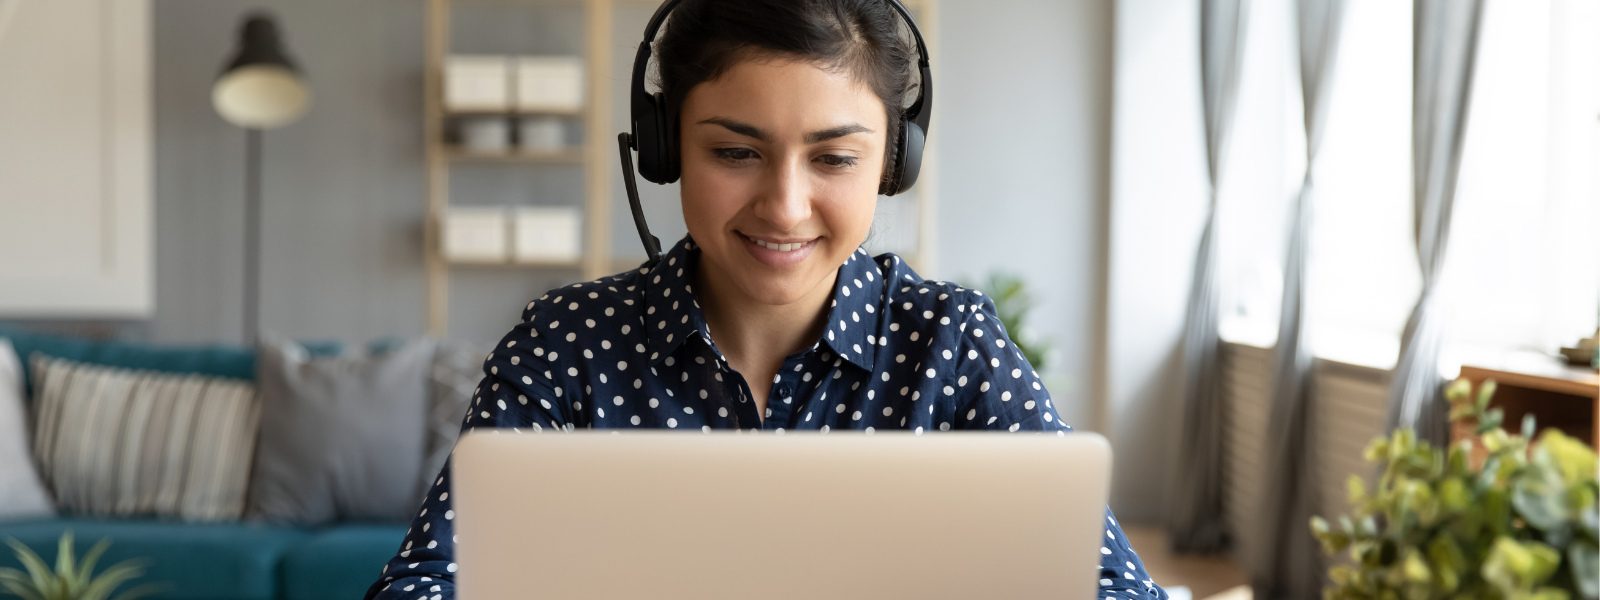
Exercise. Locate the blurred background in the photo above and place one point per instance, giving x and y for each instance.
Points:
(359, 175)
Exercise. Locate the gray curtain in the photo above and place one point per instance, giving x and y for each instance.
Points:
(1289, 564)
(1197, 512)
(1444, 48)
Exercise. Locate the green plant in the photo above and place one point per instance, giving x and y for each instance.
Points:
(1520, 526)
(1012, 303)
(71, 579)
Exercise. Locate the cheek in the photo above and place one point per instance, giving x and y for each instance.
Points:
(711, 197)
(847, 207)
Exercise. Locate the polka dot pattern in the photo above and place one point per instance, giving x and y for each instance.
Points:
(633, 351)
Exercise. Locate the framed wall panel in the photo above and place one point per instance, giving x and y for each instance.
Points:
(76, 190)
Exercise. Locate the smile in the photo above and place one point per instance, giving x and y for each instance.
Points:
(779, 253)
(780, 246)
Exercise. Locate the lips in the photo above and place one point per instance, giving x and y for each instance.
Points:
(778, 252)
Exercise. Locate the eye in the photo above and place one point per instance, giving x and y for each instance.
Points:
(839, 161)
(734, 154)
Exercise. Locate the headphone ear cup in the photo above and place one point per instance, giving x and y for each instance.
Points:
(667, 117)
(647, 139)
(910, 161)
(906, 163)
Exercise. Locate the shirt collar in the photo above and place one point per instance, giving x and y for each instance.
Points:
(672, 314)
(858, 300)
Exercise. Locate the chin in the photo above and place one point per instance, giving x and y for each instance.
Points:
(776, 289)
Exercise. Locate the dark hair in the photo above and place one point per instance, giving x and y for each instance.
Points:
(705, 38)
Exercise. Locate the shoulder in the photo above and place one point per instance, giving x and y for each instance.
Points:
(560, 321)
(622, 292)
(912, 297)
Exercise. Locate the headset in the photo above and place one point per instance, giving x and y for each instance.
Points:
(655, 129)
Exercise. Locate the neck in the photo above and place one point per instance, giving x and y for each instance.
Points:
(756, 336)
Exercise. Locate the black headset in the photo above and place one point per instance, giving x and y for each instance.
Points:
(655, 129)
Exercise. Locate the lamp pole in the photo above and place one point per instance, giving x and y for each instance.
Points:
(252, 235)
(259, 89)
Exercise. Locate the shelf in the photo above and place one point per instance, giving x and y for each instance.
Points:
(568, 156)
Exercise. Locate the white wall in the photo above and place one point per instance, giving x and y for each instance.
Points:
(1158, 196)
(1022, 118)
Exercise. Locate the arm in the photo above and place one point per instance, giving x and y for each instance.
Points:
(515, 393)
(1009, 396)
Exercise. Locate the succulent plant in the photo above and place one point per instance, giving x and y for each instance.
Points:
(1522, 526)
(71, 579)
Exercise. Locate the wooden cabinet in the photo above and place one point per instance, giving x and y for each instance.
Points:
(1559, 396)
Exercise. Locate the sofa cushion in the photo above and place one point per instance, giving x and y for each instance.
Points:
(214, 562)
(113, 441)
(341, 438)
(339, 562)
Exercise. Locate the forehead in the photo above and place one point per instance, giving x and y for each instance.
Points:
(781, 94)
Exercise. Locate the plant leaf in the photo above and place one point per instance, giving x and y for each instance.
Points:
(19, 584)
(64, 555)
(1485, 392)
(37, 569)
(1458, 390)
(108, 580)
(1585, 561)
(86, 566)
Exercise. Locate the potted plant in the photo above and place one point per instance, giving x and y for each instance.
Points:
(71, 579)
(1520, 525)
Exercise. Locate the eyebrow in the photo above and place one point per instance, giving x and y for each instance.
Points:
(748, 130)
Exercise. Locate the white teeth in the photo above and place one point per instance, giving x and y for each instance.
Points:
(778, 247)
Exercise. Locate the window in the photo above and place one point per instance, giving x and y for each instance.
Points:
(1522, 268)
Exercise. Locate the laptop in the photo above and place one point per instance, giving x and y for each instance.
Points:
(662, 514)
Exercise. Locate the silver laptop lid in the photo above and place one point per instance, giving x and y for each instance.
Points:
(656, 514)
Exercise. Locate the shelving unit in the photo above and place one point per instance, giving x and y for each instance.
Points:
(597, 155)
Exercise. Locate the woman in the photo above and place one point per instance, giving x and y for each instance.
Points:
(768, 315)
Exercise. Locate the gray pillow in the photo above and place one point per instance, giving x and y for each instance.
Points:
(457, 370)
(341, 437)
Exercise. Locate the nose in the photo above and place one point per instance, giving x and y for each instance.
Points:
(785, 200)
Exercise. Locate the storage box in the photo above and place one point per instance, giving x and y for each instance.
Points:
(490, 134)
(542, 134)
(477, 83)
(549, 84)
(474, 234)
(547, 234)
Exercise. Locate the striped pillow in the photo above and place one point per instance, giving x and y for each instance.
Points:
(116, 441)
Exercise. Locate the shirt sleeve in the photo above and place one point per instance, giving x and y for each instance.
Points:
(517, 392)
(1008, 395)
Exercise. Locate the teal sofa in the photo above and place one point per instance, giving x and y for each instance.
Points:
(235, 561)
(227, 561)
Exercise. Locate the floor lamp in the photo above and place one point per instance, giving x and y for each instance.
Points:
(260, 89)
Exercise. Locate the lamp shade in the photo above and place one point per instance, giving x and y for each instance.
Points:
(261, 88)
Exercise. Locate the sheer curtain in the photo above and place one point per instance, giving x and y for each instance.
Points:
(1291, 565)
(1197, 524)
(1444, 49)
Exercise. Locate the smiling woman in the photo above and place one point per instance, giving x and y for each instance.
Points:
(787, 119)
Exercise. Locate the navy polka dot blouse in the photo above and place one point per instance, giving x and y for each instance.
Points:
(633, 351)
